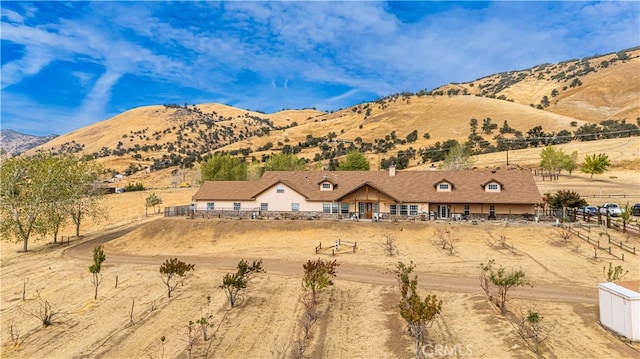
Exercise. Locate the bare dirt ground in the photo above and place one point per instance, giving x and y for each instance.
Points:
(359, 316)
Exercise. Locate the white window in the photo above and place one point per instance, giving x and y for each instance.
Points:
(334, 208)
(280, 189)
(210, 206)
(236, 206)
(403, 209)
(326, 208)
(295, 207)
(344, 208)
(467, 210)
(444, 187)
(413, 210)
(326, 185)
(492, 211)
(492, 187)
(264, 206)
(393, 209)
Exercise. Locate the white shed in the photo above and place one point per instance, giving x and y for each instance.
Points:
(620, 308)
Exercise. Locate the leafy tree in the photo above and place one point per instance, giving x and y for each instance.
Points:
(85, 198)
(567, 199)
(595, 164)
(133, 187)
(170, 269)
(458, 158)
(284, 162)
(233, 283)
(487, 126)
(223, 167)
(413, 136)
(28, 187)
(473, 124)
(318, 275)
(254, 171)
(503, 280)
(570, 162)
(98, 258)
(355, 161)
(417, 312)
(152, 201)
(552, 159)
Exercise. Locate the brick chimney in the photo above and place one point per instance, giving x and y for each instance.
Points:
(392, 170)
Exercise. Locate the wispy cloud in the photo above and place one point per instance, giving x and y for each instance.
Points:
(273, 55)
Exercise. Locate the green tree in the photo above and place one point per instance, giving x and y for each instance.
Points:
(487, 126)
(413, 136)
(223, 167)
(625, 216)
(503, 280)
(613, 274)
(233, 283)
(85, 198)
(28, 187)
(570, 162)
(417, 312)
(355, 161)
(552, 159)
(98, 258)
(170, 269)
(567, 199)
(284, 162)
(318, 275)
(254, 171)
(458, 158)
(595, 164)
(152, 200)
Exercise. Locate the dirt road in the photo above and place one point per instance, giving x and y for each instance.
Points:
(361, 273)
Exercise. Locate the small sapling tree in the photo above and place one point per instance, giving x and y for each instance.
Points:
(417, 312)
(152, 201)
(503, 280)
(96, 277)
(206, 319)
(614, 273)
(565, 234)
(233, 283)
(390, 244)
(625, 216)
(318, 275)
(192, 337)
(534, 331)
(45, 312)
(172, 268)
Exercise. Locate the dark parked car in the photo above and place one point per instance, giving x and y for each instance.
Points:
(588, 210)
(635, 210)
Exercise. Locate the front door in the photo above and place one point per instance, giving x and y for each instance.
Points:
(366, 209)
(443, 211)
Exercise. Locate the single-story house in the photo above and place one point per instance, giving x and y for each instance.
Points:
(378, 194)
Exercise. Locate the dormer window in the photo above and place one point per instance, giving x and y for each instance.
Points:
(492, 187)
(326, 186)
(444, 186)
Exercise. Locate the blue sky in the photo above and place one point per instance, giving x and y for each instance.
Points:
(68, 65)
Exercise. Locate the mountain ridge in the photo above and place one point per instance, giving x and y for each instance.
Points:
(545, 101)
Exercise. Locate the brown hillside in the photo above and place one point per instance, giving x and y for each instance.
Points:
(169, 140)
(606, 87)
